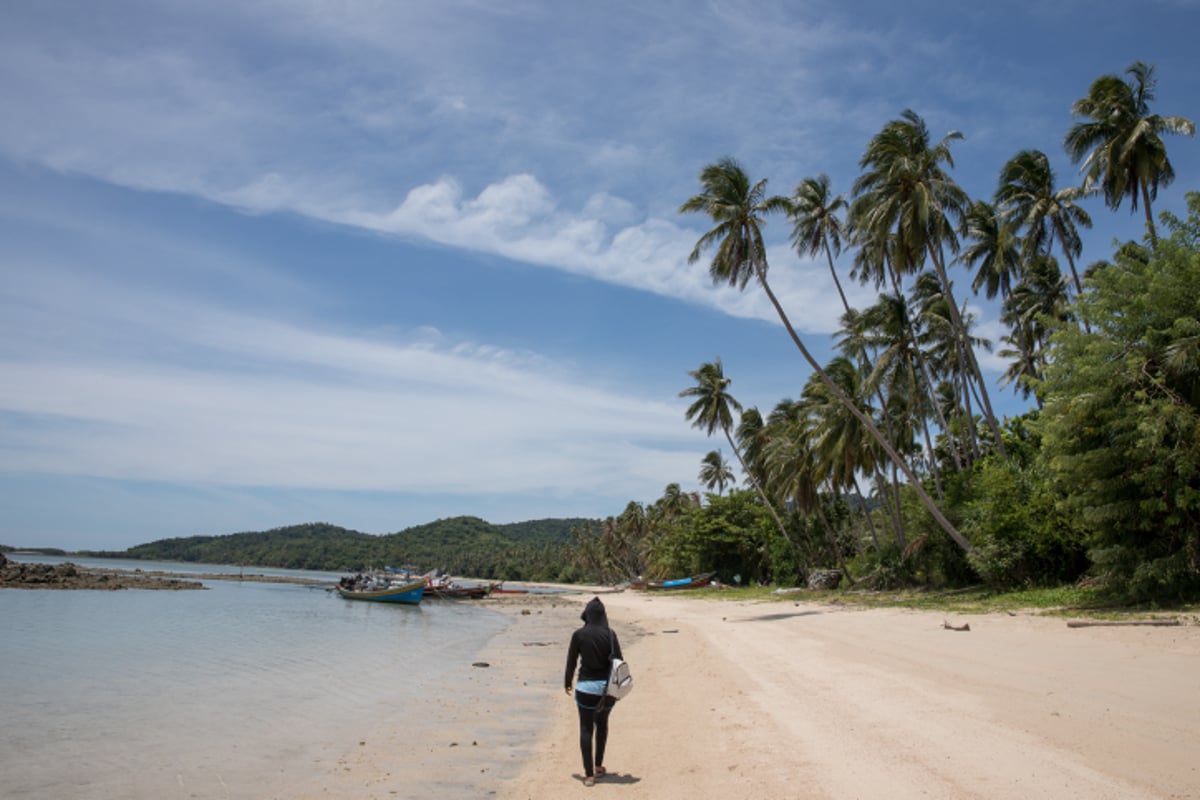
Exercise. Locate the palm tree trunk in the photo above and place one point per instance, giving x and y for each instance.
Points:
(837, 392)
(866, 513)
(961, 332)
(836, 282)
(889, 494)
(1149, 216)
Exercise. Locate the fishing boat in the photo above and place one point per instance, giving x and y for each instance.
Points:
(443, 586)
(500, 588)
(408, 591)
(693, 582)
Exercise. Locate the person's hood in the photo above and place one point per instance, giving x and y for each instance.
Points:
(594, 613)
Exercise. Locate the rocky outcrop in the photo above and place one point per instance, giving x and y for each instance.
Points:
(68, 576)
(824, 579)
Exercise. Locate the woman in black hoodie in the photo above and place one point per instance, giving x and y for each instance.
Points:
(592, 646)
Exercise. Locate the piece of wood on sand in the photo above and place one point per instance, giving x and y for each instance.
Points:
(1110, 623)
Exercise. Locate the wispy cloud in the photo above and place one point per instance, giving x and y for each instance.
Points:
(292, 406)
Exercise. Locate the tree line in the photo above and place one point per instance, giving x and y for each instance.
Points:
(892, 464)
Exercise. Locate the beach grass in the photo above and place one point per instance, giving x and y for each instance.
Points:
(1084, 601)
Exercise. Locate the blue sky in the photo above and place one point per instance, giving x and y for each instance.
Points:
(267, 262)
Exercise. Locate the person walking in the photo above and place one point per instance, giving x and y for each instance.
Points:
(592, 647)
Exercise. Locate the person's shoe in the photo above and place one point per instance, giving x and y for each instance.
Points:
(589, 781)
(601, 772)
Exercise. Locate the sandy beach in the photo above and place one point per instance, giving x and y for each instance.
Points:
(788, 700)
(792, 700)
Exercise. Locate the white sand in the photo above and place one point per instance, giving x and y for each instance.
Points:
(787, 700)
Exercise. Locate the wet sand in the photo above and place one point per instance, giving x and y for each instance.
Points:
(472, 740)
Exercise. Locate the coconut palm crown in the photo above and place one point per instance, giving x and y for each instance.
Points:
(1120, 142)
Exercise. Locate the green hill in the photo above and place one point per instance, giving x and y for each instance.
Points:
(534, 550)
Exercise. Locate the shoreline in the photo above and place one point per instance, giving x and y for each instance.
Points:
(478, 737)
(783, 698)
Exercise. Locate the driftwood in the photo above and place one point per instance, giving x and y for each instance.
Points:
(1160, 623)
(966, 626)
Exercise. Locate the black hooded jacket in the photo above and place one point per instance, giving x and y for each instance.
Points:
(592, 645)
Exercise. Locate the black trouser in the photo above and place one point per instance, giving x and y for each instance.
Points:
(593, 715)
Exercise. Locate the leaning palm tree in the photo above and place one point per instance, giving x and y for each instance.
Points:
(738, 206)
(1120, 141)
(711, 410)
(715, 472)
(1027, 196)
(816, 226)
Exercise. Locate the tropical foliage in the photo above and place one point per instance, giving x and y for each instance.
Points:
(892, 465)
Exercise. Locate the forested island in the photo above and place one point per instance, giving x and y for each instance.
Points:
(537, 550)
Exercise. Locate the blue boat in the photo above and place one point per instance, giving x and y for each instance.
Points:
(694, 582)
(409, 592)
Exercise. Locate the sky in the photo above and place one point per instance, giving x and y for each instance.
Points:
(266, 262)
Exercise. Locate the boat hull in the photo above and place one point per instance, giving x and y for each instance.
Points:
(409, 594)
(694, 582)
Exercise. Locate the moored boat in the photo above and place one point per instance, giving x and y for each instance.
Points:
(500, 588)
(443, 586)
(693, 582)
(381, 591)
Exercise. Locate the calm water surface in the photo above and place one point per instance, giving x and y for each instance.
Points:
(120, 693)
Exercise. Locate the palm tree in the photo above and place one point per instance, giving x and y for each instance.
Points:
(1027, 196)
(737, 207)
(841, 444)
(816, 226)
(1034, 309)
(900, 372)
(711, 410)
(1120, 141)
(907, 194)
(751, 436)
(715, 472)
(992, 250)
(792, 467)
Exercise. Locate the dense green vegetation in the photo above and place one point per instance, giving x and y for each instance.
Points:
(538, 550)
(46, 551)
(892, 465)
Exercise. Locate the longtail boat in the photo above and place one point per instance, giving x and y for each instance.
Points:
(409, 592)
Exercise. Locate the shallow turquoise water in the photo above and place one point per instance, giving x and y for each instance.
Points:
(208, 693)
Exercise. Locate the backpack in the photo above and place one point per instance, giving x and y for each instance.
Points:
(620, 680)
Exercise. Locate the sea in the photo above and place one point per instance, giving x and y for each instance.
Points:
(236, 691)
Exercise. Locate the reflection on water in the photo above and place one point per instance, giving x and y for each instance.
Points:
(131, 693)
